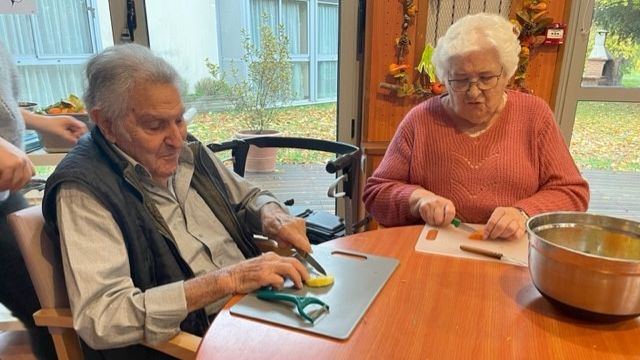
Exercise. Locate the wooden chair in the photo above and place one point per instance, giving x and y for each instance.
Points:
(45, 268)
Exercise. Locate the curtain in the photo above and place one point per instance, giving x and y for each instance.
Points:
(257, 9)
(327, 45)
(327, 28)
(442, 14)
(327, 79)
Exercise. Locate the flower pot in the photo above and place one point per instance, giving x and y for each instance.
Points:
(259, 159)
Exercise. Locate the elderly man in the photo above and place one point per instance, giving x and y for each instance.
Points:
(155, 232)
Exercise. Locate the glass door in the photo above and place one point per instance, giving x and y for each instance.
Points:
(598, 102)
(206, 41)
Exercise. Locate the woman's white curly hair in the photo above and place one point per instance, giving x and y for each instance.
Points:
(476, 33)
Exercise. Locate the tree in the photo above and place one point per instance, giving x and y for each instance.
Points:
(620, 17)
(268, 81)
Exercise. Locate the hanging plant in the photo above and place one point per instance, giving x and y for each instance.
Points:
(530, 25)
(427, 84)
(400, 82)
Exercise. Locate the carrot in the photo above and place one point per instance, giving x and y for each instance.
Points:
(432, 234)
(54, 110)
(476, 235)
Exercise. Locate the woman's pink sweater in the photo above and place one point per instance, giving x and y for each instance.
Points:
(521, 161)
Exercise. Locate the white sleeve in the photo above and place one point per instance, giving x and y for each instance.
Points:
(108, 310)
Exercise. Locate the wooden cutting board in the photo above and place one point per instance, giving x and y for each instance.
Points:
(450, 238)
(358, 279)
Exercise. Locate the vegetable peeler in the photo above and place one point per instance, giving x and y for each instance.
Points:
(301, 302)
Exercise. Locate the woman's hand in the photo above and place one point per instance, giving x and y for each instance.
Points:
(287, 230)
(64, 126)
(505, 223)
(431, 208)
(15, 167)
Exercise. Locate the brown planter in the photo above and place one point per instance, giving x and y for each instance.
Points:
(259, 159)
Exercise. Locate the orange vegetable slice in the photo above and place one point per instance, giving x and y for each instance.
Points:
(476, 235)
(432, 234)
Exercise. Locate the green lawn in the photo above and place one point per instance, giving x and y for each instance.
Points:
(606, 135)
(631, 80)
(312, 121)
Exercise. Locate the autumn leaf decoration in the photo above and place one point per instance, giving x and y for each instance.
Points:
(398, 72)
(530, 25)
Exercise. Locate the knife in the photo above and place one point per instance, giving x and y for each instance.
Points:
(306, 257)
(493, 254)
(462, 226)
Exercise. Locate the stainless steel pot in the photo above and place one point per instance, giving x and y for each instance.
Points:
(586, 263)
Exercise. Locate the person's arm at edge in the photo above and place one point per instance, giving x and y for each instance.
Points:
(65, 126)
(15, 167)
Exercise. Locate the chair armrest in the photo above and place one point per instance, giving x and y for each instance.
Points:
(181, 346)
(56, 317)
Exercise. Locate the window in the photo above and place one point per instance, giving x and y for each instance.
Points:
(312, 29)
(52, 46)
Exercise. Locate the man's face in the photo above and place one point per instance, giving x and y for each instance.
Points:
(154, 129)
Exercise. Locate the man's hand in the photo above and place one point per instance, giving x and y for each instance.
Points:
(267, 269)
(15, 167)
(505, 223)
(431, 208)
(287, 230)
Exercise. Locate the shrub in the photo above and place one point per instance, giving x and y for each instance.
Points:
(268, 81)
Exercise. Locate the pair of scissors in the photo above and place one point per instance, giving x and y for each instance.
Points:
(301, 302)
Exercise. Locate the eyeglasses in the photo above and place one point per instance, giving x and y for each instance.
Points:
(483, 82)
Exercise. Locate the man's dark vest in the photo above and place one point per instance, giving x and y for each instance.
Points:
(153, 256)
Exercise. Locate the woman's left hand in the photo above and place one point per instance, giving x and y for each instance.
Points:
(505, 223)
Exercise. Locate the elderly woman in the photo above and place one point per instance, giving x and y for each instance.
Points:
(481, 153)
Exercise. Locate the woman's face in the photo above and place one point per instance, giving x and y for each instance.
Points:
(478, 69)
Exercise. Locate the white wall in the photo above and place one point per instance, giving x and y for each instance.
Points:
(184, 33)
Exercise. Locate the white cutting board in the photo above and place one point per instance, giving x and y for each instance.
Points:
(357, 282)
(450, 238)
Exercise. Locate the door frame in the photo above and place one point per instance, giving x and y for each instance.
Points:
(570, 90)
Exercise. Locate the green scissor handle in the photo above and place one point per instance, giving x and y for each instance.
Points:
(299, 301)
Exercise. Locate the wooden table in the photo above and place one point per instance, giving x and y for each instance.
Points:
(434, 307)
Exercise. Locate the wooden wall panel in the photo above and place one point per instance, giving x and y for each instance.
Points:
(545, 60)
(382, 110)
